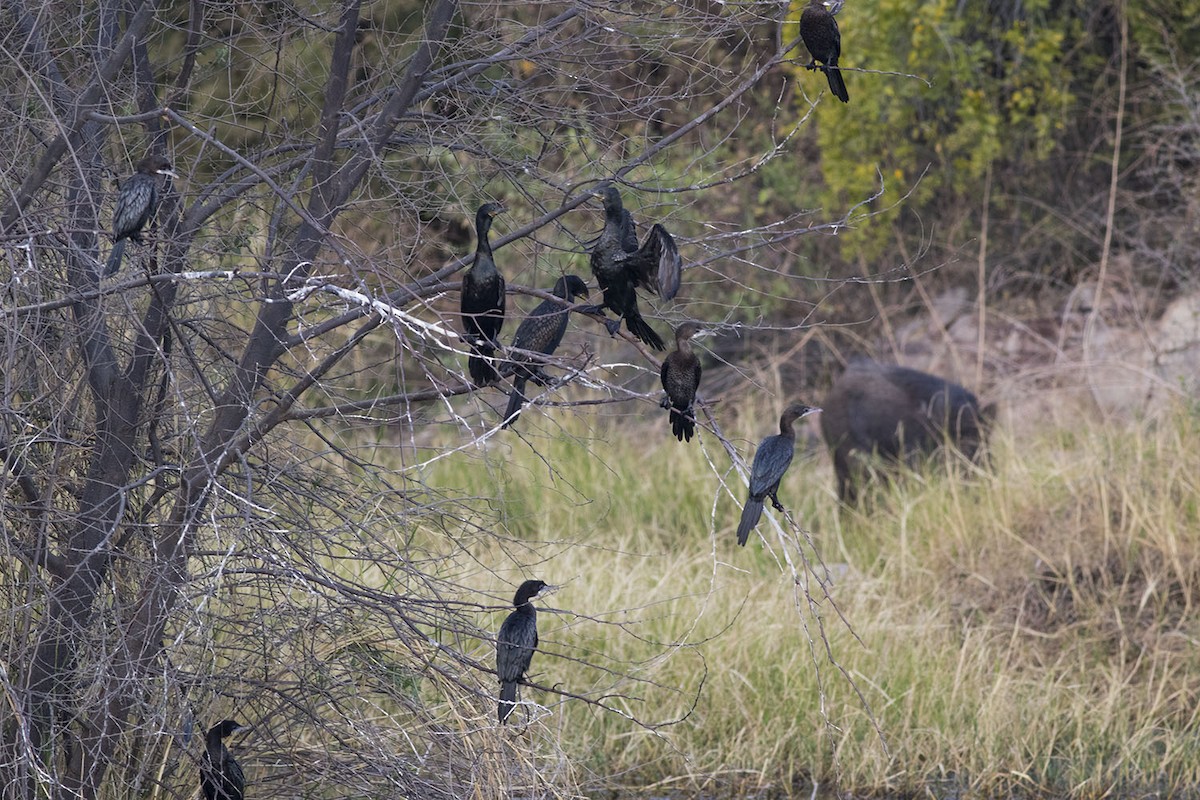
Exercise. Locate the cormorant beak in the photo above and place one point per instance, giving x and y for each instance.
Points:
(167, 172)
(811, 411)
(547, 590)
(499, 210)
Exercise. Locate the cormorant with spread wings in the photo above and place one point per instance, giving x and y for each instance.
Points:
(621, 266)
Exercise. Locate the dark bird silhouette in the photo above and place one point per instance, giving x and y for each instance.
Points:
(819, 30)
(680, 376)
(770, 463)
(515, 643)
(136, 203)
(483, 300)
(621, 267)
(220, 776)
(541, 332)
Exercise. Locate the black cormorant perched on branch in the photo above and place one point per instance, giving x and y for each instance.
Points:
(136, 203)
(541, 332)
(515, 643)
(621, 267)
(680, 376)
(819, 30)
(770, 463)
(482, 300)
(220, 776)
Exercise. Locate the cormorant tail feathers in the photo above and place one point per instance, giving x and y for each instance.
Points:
(750, 516)
(642, 330)
(114, 258)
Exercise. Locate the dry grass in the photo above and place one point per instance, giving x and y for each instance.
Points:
(1025, 629)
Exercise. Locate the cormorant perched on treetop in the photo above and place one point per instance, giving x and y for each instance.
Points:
(515, 643)
(680, 376)
(220, 776)
(136, 203)
(541, 332)
(770, 462)
(482, 301)
(620, 267)
(821, 36)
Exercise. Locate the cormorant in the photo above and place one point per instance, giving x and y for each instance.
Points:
(220, 776)
(515, 643)
(541, 332)
(483, 300)
(136, 203)
(620, 267)
(680, 376)
(819, 30)
(770, 463)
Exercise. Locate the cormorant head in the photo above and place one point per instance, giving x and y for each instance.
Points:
(531, 590)
(224, 728)
(612, 200)
(794, 412)
(689, 330)
(568, 287)
(155, 165)
(491, 210)
(484, 216)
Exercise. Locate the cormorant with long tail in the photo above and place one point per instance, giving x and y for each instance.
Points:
(482, 300)
(680, 376)
(515, 643)
(221, 777)
(137, 201)
(541, 332)
(770, 463)
(821, 36)
(621, 267)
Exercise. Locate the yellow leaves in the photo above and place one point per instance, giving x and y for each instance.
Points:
(525, 68)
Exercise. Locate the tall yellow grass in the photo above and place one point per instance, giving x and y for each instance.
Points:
(1029, 627)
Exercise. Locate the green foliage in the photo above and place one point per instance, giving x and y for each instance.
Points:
(998, 90)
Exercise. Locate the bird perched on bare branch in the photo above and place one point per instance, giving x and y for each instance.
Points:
(621, 267)
(771, 461)
(482, 300)
(221, 778)
(137, 201)
(515, 643)
(819, 30)
(680, 375)
(541, 332)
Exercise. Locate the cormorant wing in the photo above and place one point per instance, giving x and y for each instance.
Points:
(770, 463)
(656, 265)
(515, 644)
(236, 779)
(542, 331)
(629, 240)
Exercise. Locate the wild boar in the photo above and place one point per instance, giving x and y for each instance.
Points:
(898, 414)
